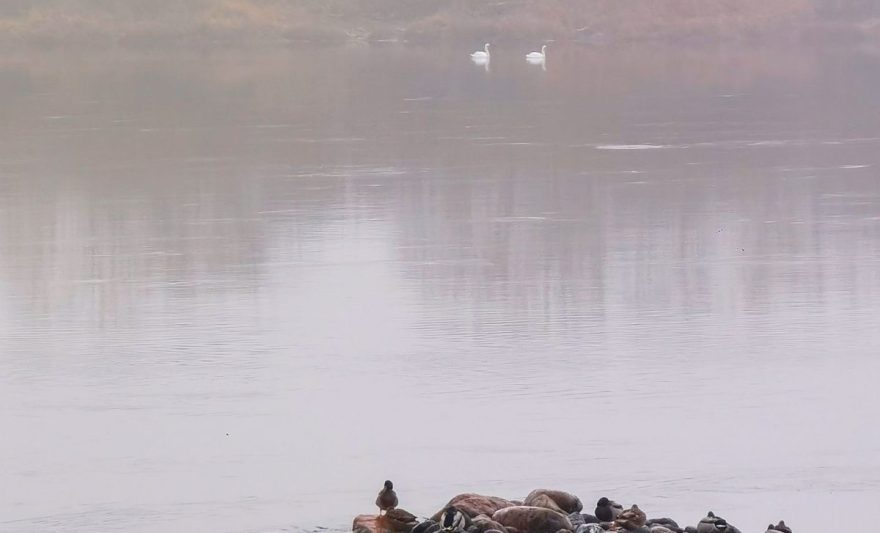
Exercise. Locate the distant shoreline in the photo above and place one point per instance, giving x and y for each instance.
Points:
(164, 23)
(819, 34)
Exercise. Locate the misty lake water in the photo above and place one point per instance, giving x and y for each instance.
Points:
(238, 290)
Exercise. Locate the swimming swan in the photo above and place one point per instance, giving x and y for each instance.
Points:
(538, 56)
(481, 55)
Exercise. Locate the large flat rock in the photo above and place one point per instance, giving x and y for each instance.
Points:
(526, 519)
(474, 505)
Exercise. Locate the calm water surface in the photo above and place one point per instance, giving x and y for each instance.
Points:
(240, 290)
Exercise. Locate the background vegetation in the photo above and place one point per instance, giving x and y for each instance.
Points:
(157, 22)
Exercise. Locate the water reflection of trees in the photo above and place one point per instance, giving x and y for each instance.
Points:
(160, 177)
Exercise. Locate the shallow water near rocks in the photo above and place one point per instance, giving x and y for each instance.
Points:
(238, 290)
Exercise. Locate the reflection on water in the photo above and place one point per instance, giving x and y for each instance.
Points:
(239, 290)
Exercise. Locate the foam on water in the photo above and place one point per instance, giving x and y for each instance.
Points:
(630, 146)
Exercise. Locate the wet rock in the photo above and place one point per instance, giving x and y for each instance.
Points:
(526, 519)
(483, 523)
(395, 521)
(666, 523)
(544, 501)
(428, 526)
(557, 500)
(578, 519)
(474, 505)
(364, 523)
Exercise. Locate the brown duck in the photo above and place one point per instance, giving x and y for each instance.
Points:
(631, 518)
(387, 498)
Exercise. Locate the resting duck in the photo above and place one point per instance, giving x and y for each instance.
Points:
(453, 520)
(607, 510)
(387, 498)
(631, 519)
(710, 524)
(715, 524)
(781, 527)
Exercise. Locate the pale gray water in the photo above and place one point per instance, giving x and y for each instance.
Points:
(650, 275)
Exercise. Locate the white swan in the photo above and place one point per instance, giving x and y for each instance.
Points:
(481, 55)
(538, 56)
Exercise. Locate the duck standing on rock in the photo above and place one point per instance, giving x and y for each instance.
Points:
(387, 498)
(607, 510)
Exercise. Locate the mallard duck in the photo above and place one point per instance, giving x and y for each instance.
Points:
(607, 510)
(715, 524)
(631, 519)
(387, 498)
(453, 520)
(707, 524)
(399, 519)
(781, 527)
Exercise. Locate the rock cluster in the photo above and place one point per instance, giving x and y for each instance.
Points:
(542, 511)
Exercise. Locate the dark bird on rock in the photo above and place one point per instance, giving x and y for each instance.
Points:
(607, 510)
(453, 520)
(715, 524)
(781, 527)
(387, 498)
(402, 517)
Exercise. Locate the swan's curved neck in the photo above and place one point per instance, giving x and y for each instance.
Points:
(486, 48)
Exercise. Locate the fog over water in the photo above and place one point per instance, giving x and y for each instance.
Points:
(240, 289)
